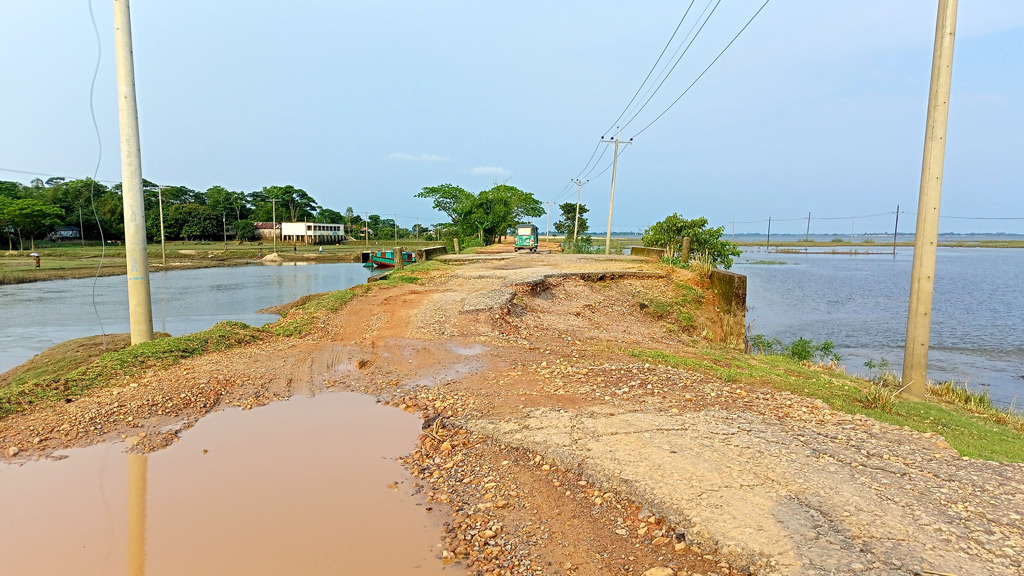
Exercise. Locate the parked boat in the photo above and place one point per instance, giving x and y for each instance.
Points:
(386, 259)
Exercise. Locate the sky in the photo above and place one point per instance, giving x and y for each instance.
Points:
(817, 107)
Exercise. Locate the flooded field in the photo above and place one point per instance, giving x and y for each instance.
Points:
(40, 314)
(860, 303)
(309, 486)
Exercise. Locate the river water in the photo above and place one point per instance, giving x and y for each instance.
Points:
(40, 314)
(860, 303)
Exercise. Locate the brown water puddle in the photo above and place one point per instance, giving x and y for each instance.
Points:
(309, 486)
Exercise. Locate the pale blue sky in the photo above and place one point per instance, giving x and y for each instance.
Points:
(818, 107)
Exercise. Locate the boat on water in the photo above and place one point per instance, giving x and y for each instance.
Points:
(386, 259)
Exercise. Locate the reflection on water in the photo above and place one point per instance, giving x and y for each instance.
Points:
(41, 314)
(297, 487)
(860, 303)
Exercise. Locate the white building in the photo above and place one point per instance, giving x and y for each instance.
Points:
(312, 232)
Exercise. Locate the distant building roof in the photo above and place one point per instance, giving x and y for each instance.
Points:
(266, 225)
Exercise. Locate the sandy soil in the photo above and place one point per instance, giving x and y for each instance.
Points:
(557, 452)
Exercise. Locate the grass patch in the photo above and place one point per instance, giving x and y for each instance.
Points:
(292, 327)
(299, 320)
(331, 302)
(74, 374)
(972, 434)
(677, 308)
(412, 274)
(766, 263)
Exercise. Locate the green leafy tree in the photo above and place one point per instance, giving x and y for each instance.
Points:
(330, 216)
(486, 215)
(669, 233)
(191, 222)
(245, 231)
(5, 220)
(297, 204)
(447, 198)
(567, 224)
(10, 189)
(31, 218)
(224, 201)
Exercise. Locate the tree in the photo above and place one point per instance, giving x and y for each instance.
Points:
(224, 201)
(245, 231)
(32, 217)
(330, 216)
(669, 233)
(296, 202)
(567, 225)
(486, 215)
(5, 220)
(446, 198)
(192, 222)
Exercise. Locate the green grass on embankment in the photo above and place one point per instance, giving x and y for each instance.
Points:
(71, 368)
(975, 433)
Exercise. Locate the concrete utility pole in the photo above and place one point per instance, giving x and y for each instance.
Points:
(926, 237)
(579, 192)
(611, 200)
(140, 304)
(807, 236)
(895, 230)
(273, 231)
(547, 233)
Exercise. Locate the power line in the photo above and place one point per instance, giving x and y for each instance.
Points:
(678, 60)
(745, 26)
(651, 71)
(665, 70)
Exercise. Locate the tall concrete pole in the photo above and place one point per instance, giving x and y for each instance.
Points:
(926, 237)
(547, 232)
(579, 193)
(611, 201)
(140, 305)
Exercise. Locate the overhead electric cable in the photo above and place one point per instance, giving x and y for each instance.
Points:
(651, 71)
(96, 171)
(678, 60)
(676, 56)
(642, 130)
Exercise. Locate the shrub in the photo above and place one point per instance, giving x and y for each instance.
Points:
(582, 245)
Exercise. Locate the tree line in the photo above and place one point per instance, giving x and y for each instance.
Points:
(30, 212)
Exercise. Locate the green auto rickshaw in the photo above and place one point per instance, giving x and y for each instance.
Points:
(526, 238)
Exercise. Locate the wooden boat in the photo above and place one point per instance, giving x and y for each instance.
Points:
(386, 259)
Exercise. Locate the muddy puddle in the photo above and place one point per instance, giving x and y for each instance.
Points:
(309, 486)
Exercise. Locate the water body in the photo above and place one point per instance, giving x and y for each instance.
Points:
(860, 303)
(308, 486)
(40, 314)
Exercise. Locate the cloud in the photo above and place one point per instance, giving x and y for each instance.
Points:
(489, 171)
(417, 157)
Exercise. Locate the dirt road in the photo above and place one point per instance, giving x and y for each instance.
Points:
(558, 452)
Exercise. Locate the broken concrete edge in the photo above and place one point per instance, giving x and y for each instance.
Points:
(695, 535)
(378, 277)
(730, 290)
(648, 252)
(431, 253)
